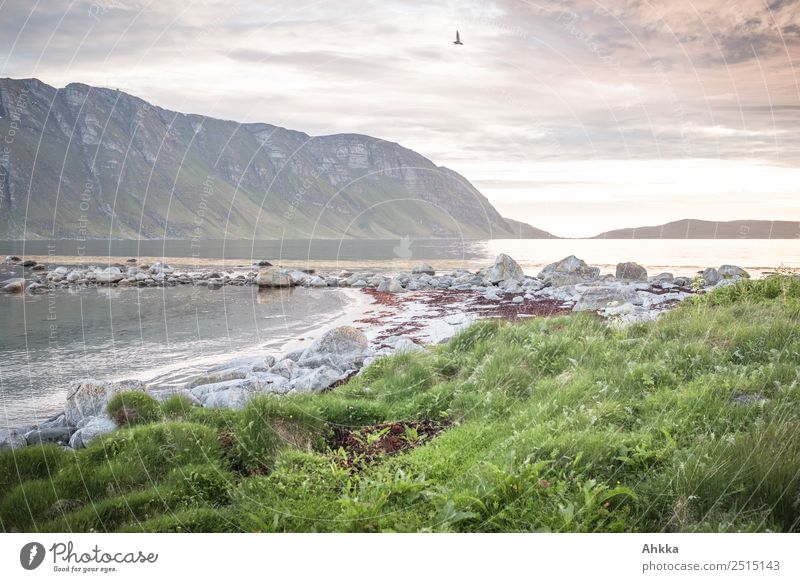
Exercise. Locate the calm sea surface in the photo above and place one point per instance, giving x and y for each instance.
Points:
(164, 335)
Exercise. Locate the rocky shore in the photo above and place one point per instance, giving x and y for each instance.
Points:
(406, 301)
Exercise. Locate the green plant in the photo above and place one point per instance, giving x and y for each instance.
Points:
(133, 408)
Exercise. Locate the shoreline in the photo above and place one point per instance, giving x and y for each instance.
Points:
(408, 311)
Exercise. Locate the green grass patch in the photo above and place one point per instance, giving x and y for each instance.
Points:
(690, 423)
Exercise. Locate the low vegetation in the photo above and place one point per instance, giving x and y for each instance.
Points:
(691, 423)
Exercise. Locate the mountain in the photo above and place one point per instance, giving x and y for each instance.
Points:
(98, 163)
(690, 228)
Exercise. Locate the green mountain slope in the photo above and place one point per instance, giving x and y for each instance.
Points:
(99, 163)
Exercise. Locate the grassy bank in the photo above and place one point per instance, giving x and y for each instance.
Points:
(691, 423)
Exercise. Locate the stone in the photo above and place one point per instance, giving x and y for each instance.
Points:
(287, 368)
(395, 286)
(316, 380)
(317, 281)
(202, 391)
(12, 259)
(11, 439)
(732, 272)
(269, 383)
(711, 276)
(263, 263)
(16, 285)
(518, 299)
(109, 275)
(383, 287)
(49, 435)
(29, 263)
(159, 268)
(87, 398)
(359, 284)
(95, 427)
(602, 297)
(273, 277)
(423, 269)
(510, 286)
(568, 271)
(631, 271)
(505, 268)
(234, 398)
(342, 348)
(214, 377)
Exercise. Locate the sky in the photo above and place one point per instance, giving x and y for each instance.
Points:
(574, 116)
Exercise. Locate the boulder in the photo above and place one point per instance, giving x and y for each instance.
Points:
(505, 269)
(602, 297)
(161, 268)
(16, 285)
(383, 287)
(317, 380)
(204, 390)
(711, 276)
(263, 263)
(11, 439)
(74, 276)
(732, 272)
(341, 348)
(87, 398)
(235, 398)
(631, 272)
(664, 277)
(273, 277)
(317, 281)
(12, 259)
(93, 428)
(214, 377)
(29, 263)
(54, 434)
(109, 275)
(568, 271)
(423, 269)
(395, 286)
(269, 383)
(287, 368)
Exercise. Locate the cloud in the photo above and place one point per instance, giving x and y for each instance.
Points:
(534, 82)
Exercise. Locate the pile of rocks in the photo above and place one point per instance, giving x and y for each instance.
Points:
(504, 276)
(336, 356)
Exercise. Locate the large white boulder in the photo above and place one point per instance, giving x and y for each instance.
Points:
(95, 427)
(87, 398)
(342, 348)
(568, 271)
(602, 297)
(11, 439)
(109, 275)
(317, 380)
(631, 272)
(505, 269)
(273, 277)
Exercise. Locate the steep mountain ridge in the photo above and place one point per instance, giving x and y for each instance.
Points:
(100, 163)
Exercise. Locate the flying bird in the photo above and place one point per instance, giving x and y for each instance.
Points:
(458, 39)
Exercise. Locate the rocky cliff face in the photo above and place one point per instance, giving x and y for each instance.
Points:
(89, 162)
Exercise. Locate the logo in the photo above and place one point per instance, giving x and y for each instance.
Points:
(31, 555)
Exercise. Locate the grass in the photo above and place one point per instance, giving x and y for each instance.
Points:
(690, 423)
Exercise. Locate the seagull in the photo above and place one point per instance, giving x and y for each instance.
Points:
(458, 39)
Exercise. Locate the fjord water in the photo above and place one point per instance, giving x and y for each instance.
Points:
(164, 335)
(160, 336)
(681, 256)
